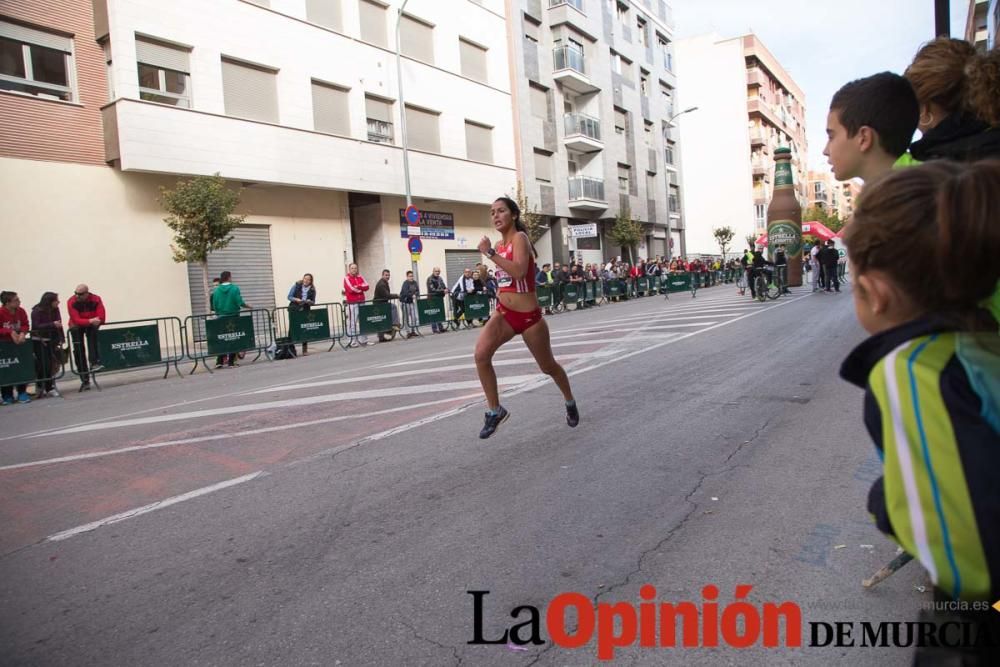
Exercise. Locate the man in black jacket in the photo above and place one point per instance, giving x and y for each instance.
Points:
(436, 286)
(384, 294)
(828, 257)
(408, 294)
(781, 267)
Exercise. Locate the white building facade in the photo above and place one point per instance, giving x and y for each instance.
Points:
(298, 103)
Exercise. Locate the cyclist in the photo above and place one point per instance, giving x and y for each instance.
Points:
(517, 313)
(757, 264)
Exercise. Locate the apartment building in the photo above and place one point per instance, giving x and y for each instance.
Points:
(826, 193)
(595, 97)
(297, 102)
(748, 105)
(977, 30)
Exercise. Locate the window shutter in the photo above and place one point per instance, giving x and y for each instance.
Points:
(160, 55)
(473, 60)
(416, 39)
(543, 167)
(325, 13)
(422, 130)
(373, 23)
(539, 102)
(330, 109)
(479, 142)
(249, 92)
(22, 33)
(378, 110)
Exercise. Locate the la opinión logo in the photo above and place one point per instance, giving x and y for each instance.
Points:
(650, 624)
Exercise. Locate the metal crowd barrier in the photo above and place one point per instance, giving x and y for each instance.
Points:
(33, 361)
(217, 335)
(321, 322)
(128, 345)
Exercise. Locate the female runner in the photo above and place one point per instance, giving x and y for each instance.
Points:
(517, 313)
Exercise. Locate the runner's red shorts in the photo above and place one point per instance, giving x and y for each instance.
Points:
(519, 320)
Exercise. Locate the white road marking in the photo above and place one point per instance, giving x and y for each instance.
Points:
(602, 330)
(66, 534)
(227, 436)
(295, 402)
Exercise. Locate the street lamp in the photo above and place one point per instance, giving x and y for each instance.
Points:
(402, 126)
(670, 239)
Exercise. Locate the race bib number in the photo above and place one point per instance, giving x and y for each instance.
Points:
(503, 278)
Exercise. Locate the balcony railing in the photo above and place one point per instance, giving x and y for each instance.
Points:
(379, 131)
(573, 3)
(581, 123)
(586, 187)
(568, 57)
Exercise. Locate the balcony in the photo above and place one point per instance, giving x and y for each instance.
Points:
(578, 4)
(759, 167)
(755, 77)
(380, 131)
(757, 137)
(587, 193)
(582, 133)
(570, 71)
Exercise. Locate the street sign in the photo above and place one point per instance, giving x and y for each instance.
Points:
(587, 231)
(415, 245)
(414, 256)
(412, 215)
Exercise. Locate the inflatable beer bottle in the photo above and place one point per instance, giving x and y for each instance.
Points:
(784, 217)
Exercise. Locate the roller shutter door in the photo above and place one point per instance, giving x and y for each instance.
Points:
(457, 261)
(248, 258)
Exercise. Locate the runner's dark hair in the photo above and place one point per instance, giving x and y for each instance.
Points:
(515, 212)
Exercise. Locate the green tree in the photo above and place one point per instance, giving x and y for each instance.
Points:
(532, 219)
(723, 236)
(201, 217)
(627, 233)
(820, 214)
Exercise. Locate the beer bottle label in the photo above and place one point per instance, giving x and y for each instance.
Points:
(787, 233)
(783, 174)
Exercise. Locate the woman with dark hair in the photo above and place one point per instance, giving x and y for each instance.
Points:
(47, 338)
(517, 313)
(302, 296)
(13, 329)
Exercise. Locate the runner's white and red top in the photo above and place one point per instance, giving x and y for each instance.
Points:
(505, 281)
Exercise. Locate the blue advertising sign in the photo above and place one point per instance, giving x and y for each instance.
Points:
(433, 225)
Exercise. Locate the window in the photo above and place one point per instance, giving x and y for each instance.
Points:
(373, 22)
(473, 60)
(760, 213)
(663, 44)
(539, 101)
(670, 153)
(624, 177)
(674, 200)
(530, 29)
(249, 91)
(622, 10)
(109, 71)
(625, 68)
(35, 62)
(379, 115)
(163, 73)
(330, 109)
(648, 133)
(422, 130)
(478, 142)
(640, 29)
(621, 121)
(325, 13)
(650, 185)
(643, 83)
(416, 39)
(543, 166)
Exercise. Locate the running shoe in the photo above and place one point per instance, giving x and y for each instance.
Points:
(8, 401)
(23, 397)
(572, 415)
(54, 393)
(493, 421)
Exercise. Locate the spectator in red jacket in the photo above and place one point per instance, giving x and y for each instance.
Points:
(86, 315)
(354, 293)
(13, 329)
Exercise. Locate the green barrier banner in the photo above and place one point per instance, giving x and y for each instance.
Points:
(544, 294)
(128, 347)
(307, 325)
(679, 282)
(17, 364)
(477, 307)
(431, 310)
(375, 317)
(642, 284)
(229, 334)
(588, 291)
(572, 293)
(614, 288)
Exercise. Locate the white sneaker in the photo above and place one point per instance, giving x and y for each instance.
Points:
(54, 393)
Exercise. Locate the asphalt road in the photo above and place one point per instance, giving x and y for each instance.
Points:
(336, 509)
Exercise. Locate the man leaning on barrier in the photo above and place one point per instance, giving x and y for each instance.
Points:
(86, 315)
(436, 286)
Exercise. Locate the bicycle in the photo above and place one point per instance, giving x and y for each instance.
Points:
(760, 285)
(777, 285)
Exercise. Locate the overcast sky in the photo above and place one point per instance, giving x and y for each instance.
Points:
(822, 44)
